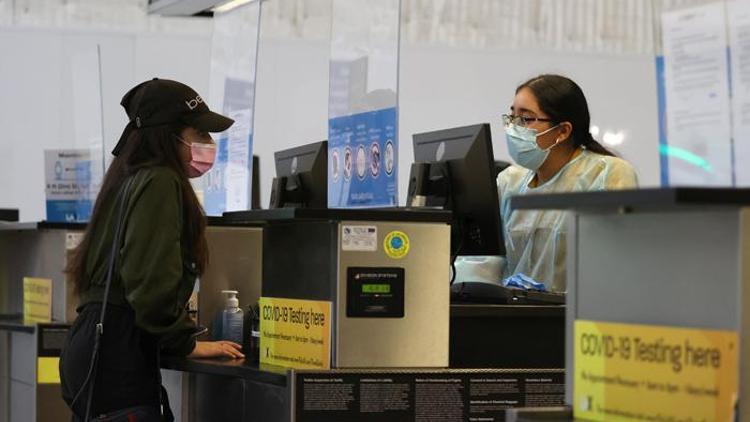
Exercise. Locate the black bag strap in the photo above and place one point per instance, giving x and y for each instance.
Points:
(123, 197)
(113, 253)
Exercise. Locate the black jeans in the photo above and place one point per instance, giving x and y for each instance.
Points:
(127, 374)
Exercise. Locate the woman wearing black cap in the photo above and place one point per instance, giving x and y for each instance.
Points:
(139, 259)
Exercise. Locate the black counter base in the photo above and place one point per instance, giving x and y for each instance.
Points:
(507, 336)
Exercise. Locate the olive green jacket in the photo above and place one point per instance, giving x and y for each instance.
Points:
(152, 273)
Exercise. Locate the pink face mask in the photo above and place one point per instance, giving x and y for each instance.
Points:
(203, 157)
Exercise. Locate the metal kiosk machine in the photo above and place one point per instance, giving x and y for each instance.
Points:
(385, 273)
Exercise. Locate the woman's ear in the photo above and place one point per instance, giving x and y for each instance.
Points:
(566, 131)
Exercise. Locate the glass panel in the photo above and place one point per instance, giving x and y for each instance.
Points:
(234, 48)
(363, 104)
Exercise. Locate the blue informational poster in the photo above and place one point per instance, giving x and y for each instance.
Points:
(70, 191)
(362, 159)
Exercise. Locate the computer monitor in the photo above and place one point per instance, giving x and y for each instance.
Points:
(454, 169)
(301, 177)
(255, 201)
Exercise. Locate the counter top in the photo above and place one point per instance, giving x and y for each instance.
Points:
(4, 225)
(636, 199)
(237, 368)
(34, 225)
(421, 215)
(14, 322)
(260, 217)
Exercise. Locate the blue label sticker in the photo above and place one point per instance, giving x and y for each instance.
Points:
(363, 159)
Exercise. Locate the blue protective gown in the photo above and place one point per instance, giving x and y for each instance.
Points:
(535, 240)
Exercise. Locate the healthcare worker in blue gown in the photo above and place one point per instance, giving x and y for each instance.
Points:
(547, 131)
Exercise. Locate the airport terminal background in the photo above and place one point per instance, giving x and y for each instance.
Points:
(682, 234)
(459, 64)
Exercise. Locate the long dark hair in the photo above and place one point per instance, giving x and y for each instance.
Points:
(563, 101)
(146, 147)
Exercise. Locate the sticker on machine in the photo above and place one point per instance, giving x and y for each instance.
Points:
(396, 244)
(359, 238)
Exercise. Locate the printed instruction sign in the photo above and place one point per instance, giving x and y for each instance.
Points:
(443, 395)
(696, 88)
(644, 372)
(37, 300)
(295, 333)
(69, 189)
(359, 238)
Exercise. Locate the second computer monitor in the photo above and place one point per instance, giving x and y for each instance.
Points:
(457, 169)
(301, 177)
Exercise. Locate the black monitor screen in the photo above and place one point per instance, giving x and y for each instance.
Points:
(461, 173)
(301, 177)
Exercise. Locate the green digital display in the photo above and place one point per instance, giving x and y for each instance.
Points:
(376, 288)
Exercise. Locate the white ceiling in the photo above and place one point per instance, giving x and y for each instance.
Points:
(595, 26)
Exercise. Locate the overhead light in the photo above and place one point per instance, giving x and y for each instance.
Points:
(594, 130)
(613, 139)
(230, 5)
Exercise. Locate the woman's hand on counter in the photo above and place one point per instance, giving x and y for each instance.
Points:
(216, 349)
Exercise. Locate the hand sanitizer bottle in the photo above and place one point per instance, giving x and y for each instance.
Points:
(231, 318)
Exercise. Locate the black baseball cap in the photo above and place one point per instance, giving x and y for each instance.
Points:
(160, 102)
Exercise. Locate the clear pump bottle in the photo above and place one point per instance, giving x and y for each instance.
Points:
(231, 318)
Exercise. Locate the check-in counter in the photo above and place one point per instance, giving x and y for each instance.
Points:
(29, 379)
(29, 385)
(37, 250)
(42, 250)
(658, 307)
(418, 341)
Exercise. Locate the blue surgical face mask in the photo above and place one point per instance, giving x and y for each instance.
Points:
(523, 148)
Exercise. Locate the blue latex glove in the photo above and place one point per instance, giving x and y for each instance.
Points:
(522, 281)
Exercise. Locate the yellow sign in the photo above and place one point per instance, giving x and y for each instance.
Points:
(396, 244)
(48, 370)
(37, 300)
(295, 333)
(641, 372)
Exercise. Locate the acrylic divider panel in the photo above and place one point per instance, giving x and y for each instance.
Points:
(363, 104)
(234, 47)
(75, 169)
